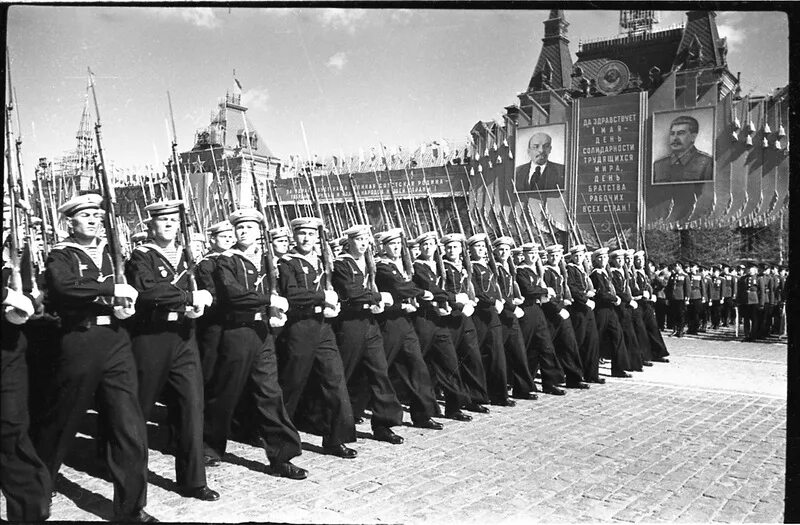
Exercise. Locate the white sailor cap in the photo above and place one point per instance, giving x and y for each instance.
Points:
(575, 248)
(305, 222)
(357, 230)
(426, 236)
(198, 237)
(219, 227)
(281, 232)
(619, 252)
(529, 247)
(503, 240)
(81, 202)
(478, 237)
(246, 214)
(603, 250)
(453, 237)
(639, 253)
(389, 235)
(555, 248)
(139, 236)
(163, 207)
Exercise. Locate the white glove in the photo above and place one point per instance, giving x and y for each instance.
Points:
(590, 293)
(127, 291)
(551, 292)
(518, 312)
(468, 309)
(444, 311)
(590, 304)
(279, 302)
(387, 299)
(617, 302)
(16, 316)
(196, 312)
(427, 295)
(277, 321)
(19, 301)
(564, 314)
(634, 304)
(201, 298)
(567, 302)
(330, 313)
(516, 301)
(462, 298)
(123, 313)
(331, 297)
(498, 306)
(645, 294)
(376, 308)
(408, 308)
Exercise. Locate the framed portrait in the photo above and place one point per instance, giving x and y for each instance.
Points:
(540, 158)
(683, 146)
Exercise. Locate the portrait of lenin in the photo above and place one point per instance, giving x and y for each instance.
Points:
(684, 162)
(540, 171)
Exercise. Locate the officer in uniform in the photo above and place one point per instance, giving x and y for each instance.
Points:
(659, 283)
(620, 281)
(766, 276)
(209, 326)
(581, 311)
(609, 331)
(678, 296)
(95, 357)
(431, 323)
(400, 341)
(307, 344)
(697, 298)
(246, 362)
(535, 330)
(637, 294)
(358, 335)
(728, 296)
(715, 297)
(751, 302)
(458, 285)
(658, 350)
(164, 344)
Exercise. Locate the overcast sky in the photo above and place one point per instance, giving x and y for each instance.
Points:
(352, 76)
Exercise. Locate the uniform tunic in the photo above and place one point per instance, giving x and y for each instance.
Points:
(583, 321)
(209, 325)
(677, 294)
(728, 306)
(246, 362)
(612, 342)
(521, 378)
(95, 358)
(311, 369)
(751, 303)
(561, 329)
(637, 314)
(620, 282)
(658, 349)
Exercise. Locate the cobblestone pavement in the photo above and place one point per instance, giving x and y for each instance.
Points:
(700, 439)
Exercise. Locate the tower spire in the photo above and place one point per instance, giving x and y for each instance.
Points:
(554, 66)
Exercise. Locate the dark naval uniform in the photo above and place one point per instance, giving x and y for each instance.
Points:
(360, 343)
(463, 335)
(583, 321)
(400, 342)
(751, 304)
(697, 299)
(307, 349)
(715, 300)
(535, 330)
(678, 295)
(95, 358)
(658, 349)
(24, 479)
(637, 294)
(624, 312)
(209, 325)
(246, 362)
(728, 306)
(166, 353)
(521, 378)
(561, 329)
(612, 343)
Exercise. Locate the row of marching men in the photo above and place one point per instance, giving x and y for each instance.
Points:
(393, 322)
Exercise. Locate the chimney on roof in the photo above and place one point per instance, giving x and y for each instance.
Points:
(555, 61)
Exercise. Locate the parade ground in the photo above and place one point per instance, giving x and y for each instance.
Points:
(699, 439)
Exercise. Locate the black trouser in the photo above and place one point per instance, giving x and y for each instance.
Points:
(753, 315)
(489, 330)
(209, 335)
(662, 311)
(658, 349)
(24, 479)
(766, 320)
(714, 312)
(678, 309)
(441, 358)
(247, 363)
(516, 357)
(539, 345)
(365, 369)
(566, 346)
(727, 311)
(641, 331)
(777, 318)
(307, 348)
(465, 341)
(612, 343)
(629, 335)
(407, 366)
(585, 328)
(99, 360)
(693, 314)
(169, 358)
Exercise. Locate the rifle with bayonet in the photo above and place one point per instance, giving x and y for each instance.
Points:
(182, 184)
(464, 255)
(363, 218)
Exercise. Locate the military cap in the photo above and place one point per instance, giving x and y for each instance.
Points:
(411, 243)
(422, 237)
(81, 202)
(163, 207)
(516, 250)
(390, 235)
(139, 236)
(554, 248)
(505, 239)
(639, 253)
(222, 226)
(341, 240)
(600, 251)
(246, 214)
(629, 252)
(619, 252)
(453, 237)
(575, 248)
(279, 233)
(198, 237)
(529, 247)
(36, 220)
(478, 237)
(357, 230)
(305, 222)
